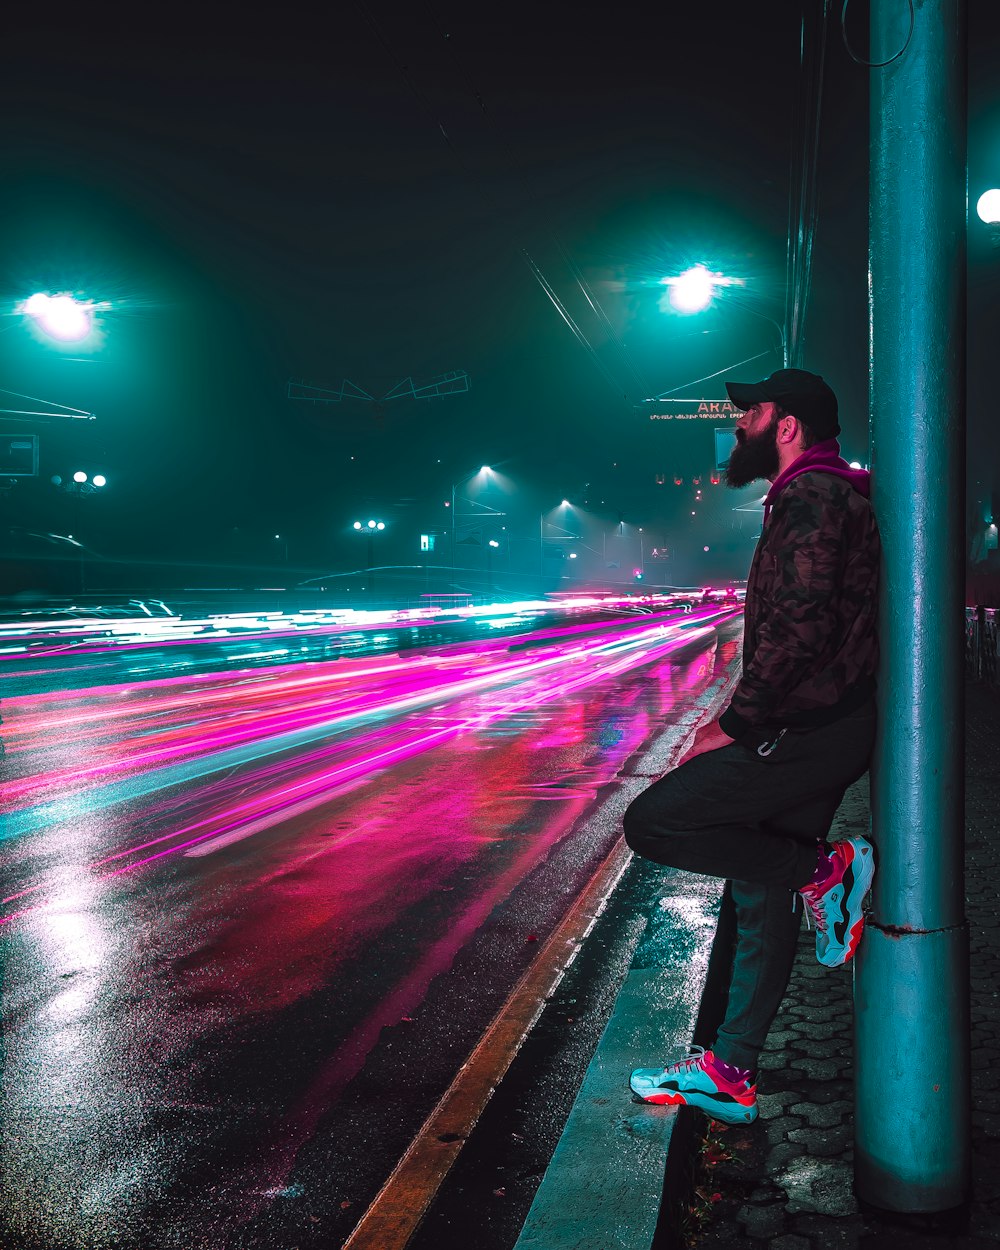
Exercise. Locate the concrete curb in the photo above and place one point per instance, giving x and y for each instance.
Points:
(602, 1189)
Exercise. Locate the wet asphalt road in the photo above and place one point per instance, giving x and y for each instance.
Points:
(259, 905)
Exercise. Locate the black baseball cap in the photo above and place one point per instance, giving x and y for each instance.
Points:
(802, 394)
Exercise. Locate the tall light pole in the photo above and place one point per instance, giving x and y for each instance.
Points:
(81, 486)
(485, 471)
(563, 534)
(370, 529)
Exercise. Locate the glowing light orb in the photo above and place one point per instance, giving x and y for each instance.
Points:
(79, 476)
(988, 207)
(100, 480)
(60, 316)
(692, 290)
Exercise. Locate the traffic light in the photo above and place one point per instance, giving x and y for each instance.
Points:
(637, 574)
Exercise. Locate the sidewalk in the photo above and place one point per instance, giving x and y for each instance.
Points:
(785, 1182)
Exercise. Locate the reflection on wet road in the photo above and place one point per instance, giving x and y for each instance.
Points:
(254, 916)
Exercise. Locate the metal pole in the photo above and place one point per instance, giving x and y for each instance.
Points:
(912, 1124)
(541, 552)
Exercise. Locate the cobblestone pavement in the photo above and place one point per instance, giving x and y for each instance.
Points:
(786, 1182)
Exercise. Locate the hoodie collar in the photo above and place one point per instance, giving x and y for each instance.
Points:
(822, 457)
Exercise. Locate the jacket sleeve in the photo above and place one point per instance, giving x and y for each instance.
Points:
(800, 576)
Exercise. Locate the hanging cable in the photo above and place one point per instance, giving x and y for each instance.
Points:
(812, 73)
(587, 292)
(709, 376)
(534, 268)
(564, 312)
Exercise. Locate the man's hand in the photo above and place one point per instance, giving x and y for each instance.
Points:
(707, 738)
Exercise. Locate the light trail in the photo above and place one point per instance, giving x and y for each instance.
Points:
(305, 737)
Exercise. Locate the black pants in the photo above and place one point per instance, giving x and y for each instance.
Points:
(755, 818)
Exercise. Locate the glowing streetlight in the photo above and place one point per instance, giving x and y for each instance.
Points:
(99, 479)
(988, 207)
(693, 290)
(62, 317)
(79, 476)
(372, 528)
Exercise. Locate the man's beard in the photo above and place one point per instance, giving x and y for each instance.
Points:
(754, 458)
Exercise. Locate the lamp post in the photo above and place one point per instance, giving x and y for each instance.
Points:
(370, 529)
(469, 477)
(80, 486)
(563, 534)
(491, 546)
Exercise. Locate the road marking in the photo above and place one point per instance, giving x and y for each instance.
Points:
(395, 1213)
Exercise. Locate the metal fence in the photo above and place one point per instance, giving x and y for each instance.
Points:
(981, 644)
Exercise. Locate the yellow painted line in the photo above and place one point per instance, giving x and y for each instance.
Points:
(394, 1215)
(401, 1204)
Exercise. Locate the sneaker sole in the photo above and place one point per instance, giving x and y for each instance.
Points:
(728, 1113)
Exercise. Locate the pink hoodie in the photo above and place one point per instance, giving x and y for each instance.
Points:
(822, 457)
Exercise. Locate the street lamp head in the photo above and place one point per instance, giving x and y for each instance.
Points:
(486, 469)
(381, 525)
(988, 207)
(371, 525)
(79, 476)
(99, 479)
(357, 525)
(60, 316)
(692, 290)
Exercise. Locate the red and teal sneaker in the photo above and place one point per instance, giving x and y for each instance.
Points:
(836, 903)
(697, 1081)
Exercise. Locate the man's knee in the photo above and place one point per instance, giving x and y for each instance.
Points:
(644, 826)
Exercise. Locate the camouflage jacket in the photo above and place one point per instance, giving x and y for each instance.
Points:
(810, 646)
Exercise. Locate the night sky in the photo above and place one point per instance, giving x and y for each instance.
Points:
(378, 191)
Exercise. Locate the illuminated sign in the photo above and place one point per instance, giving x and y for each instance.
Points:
(692, 409)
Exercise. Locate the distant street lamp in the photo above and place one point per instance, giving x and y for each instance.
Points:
(81, 487)
(484, 471)
(370, 530)
(988, 208)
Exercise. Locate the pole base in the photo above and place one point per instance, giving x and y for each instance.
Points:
(912, 1088)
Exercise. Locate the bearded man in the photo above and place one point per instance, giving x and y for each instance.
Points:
(754, 797)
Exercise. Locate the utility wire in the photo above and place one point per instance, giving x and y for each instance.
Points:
(588, 294)
(79, 412)
(708, 376)
(803, 180)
